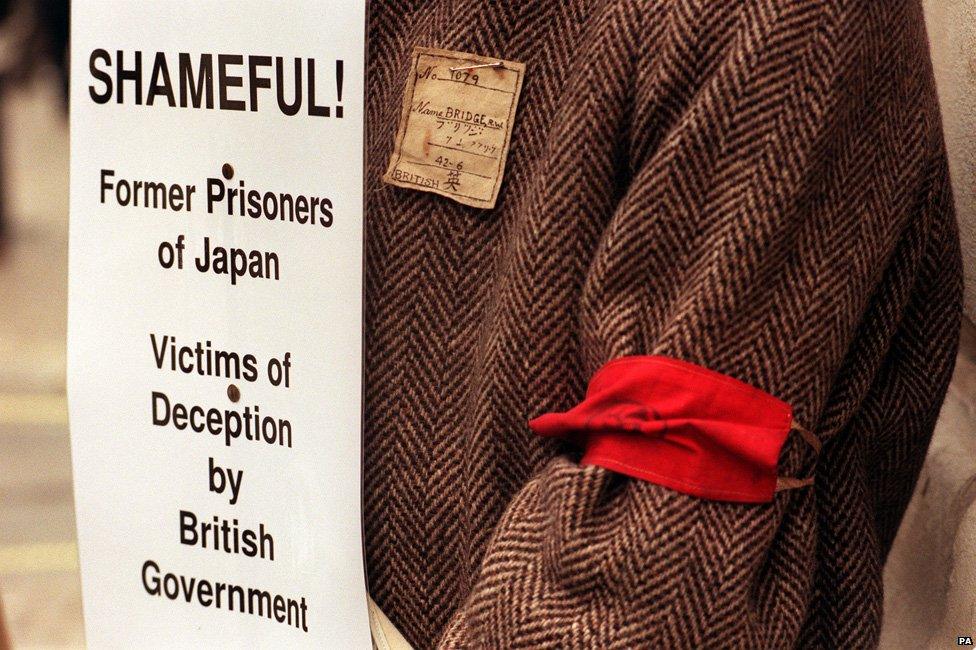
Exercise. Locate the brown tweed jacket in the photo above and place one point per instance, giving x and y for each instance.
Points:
(756, 186)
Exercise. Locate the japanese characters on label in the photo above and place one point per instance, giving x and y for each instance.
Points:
(456, 125)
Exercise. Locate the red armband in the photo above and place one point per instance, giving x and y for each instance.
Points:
(682, 426)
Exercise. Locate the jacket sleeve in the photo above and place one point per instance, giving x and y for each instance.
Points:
(785, 196)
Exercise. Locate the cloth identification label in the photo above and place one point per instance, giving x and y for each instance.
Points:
(456, 125)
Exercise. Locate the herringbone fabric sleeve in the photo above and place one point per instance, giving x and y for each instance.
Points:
(774, 225)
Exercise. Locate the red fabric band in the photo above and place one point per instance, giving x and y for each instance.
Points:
(678, 425)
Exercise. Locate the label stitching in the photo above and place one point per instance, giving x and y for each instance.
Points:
(405, 118)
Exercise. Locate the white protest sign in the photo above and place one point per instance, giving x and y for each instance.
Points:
(215, 325)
